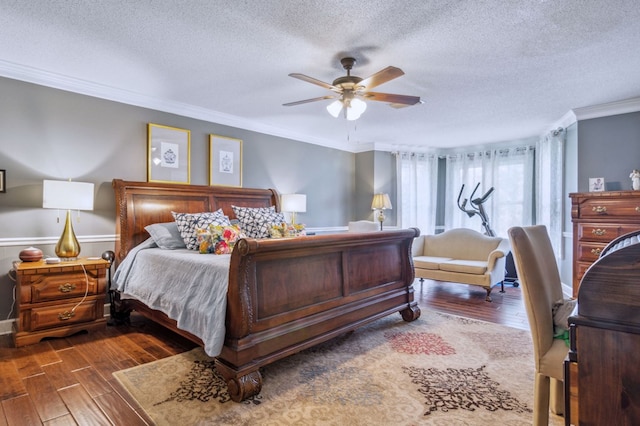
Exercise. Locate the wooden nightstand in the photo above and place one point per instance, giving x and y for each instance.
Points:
(51, 301)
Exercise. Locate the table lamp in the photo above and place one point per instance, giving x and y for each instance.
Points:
(293, 203)
(67, 195)
(381, 202)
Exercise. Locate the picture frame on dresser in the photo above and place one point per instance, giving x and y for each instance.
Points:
(225, 161)
(596, 184)
(168, 154)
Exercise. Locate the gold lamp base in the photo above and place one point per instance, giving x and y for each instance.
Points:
(68, 247)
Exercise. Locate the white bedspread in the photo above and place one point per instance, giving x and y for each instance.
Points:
(189, 287)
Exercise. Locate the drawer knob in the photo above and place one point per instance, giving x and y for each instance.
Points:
(599, 232)
(599, 209)
(596, 251)
(66, 288)
(66, 315)
(637, 209)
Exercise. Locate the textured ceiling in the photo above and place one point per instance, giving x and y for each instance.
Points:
(487, 71)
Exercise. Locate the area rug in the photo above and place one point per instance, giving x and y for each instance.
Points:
(440, 370)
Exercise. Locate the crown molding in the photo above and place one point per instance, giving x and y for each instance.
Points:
(604, 110)
(89, 88)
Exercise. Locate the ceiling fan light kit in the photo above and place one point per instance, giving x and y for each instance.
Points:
(353, 91)
(353, 108)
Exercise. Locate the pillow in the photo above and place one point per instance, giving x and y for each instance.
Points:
(256, 221)
(189, 222)
(286, 230)
(166, 235)
(562, 310)
(218, 239)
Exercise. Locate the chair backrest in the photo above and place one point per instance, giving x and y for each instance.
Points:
(541, 285)
(363, 226)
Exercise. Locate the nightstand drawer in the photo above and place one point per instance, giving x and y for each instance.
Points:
(61, 286)
(62, 314)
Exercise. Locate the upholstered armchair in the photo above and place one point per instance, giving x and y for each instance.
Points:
(541, 288)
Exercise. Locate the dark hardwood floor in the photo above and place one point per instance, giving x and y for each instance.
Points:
(68, 381)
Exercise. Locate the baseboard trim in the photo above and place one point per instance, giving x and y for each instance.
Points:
(6, 326)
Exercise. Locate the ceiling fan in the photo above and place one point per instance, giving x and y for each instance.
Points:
(351, 91)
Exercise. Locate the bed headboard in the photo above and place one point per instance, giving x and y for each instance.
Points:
(139, 204)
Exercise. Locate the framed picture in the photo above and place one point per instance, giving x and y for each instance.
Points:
(225, 161)
(596, 184)
(168, 154)
(3, 181)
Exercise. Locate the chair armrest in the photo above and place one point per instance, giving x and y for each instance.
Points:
(501, 251)
(417, 248)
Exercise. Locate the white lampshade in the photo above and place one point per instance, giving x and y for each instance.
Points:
(356, 108)
(334, 108)
(66, 195)
(293, 203)
(381, 202)
(353, 107)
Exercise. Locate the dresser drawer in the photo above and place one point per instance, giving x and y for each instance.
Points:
(48, 287)
(581, 268)
(589, 252)
(629, 208)
(62, 314)
(603, 232)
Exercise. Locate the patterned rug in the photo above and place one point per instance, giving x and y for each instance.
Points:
(439, 370)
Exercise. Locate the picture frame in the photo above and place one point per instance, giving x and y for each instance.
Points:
(3, 181)
(225, 161)
(596, 184)
(169, 154)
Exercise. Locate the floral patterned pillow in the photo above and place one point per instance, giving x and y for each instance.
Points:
(218, 239)
(188, 223)
(286, 230)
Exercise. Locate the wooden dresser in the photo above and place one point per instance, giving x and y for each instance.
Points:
(602, 373)
(598, 218)
(55, 300)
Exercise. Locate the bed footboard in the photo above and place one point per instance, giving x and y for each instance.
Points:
(286, 295)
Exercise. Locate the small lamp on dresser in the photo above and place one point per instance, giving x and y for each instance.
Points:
(67, 195)
(381, 202)
(293, 203)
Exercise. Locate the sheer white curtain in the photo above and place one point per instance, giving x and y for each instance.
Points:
(549, 170)
(508, 170)
(417, 188)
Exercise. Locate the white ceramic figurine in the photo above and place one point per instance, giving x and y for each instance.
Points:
(635, 179)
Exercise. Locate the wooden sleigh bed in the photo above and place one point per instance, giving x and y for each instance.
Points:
(284, 295)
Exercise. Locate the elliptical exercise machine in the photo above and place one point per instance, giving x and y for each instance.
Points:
(477, 208)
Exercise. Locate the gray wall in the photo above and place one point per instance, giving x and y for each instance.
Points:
(608, 147)
(375, 172)
(52, 134)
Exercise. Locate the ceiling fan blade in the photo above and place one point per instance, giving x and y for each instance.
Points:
(387, 74)
(392, 98)
(315, 81)
(306, 101)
